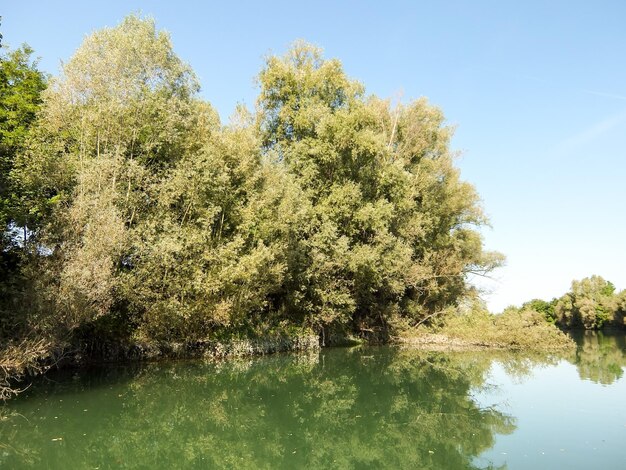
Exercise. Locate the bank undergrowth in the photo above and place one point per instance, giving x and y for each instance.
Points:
(521, 330)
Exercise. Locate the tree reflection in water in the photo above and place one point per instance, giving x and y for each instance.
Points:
(344, 408)
(340, 408)
(600, 356)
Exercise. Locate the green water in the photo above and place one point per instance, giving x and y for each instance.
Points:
(341, 408)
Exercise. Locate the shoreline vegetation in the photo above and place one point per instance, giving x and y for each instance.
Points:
(528, 332)
(137, 225)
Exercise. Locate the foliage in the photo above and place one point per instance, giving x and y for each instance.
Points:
(517, 329)
(591, 303)
(150, 219)
(21, 84)
(389, 231)
(204, 259)
(110, 126)
(547, 309)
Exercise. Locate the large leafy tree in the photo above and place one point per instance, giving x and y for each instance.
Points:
(120, 115)
(391, 227)
(205, 260)
(146, 216)
(154, 215)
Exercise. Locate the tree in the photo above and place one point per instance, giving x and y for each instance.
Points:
(118, 118)
(21, 85)
(390, 224)
(149, 218)
(590, 304)
(547, 309)
(203, 260)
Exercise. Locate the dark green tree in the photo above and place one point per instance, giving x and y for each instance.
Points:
(542, 306)
(21, 86)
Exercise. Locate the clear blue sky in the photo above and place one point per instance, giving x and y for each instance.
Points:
(537, 90)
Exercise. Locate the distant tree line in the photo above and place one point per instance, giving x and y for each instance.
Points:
(591, 303)
(130, 210)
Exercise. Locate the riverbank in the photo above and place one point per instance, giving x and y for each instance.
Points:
(19, 363)
(514, 331)
(448, 343)
(201, 349)
(519, 331)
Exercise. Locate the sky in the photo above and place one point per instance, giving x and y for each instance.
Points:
(535, 89)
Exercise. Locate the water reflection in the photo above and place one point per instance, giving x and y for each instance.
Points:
(341, 408)
(600, 356)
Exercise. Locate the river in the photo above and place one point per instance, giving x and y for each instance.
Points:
(365, 407)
